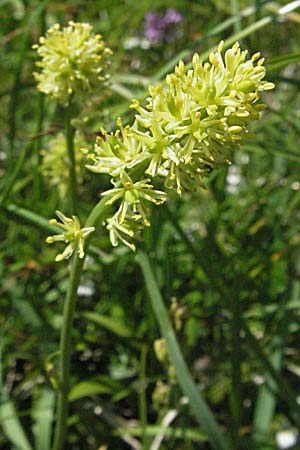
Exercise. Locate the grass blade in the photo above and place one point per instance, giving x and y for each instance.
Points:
(199, 407)
(235, 7)
(12, 427)
(109, 323)
(13, 175)
(266, 402)
(43, 415)
(88, 388)
(153, 430)
(282, 61)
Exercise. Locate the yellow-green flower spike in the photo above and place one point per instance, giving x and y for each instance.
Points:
(73, 234)
(73, 62)
(189, 126)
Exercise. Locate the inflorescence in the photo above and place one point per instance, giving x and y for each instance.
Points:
(73, 62)
(188, 128)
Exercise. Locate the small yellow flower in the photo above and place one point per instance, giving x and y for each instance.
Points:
(123, 232)
(135, 197)
(73, 234)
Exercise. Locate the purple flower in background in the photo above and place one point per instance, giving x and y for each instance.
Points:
(154, 27)
(158, 28)
(172, 16)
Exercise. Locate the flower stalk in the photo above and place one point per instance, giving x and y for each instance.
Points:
(65, 350)
(70, 132)
(236, 384)
(98, 214)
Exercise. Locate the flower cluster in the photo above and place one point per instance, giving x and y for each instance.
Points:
(188, 128)
(73, 234)
(55, 160)
(73, 61)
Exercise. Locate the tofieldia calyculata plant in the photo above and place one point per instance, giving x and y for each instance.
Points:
(189, 127)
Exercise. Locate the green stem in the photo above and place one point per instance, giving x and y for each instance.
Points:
(255, 38)
(22, 215)
(235, 9)
(98, 214)
(10, 179)
(235, 398)
(15, 96)
(71, 154)
(65, 354)
(37, 181)
(199, 407)
(142, 396)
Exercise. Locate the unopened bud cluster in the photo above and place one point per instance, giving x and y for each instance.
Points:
(73, 62)
(189, 127)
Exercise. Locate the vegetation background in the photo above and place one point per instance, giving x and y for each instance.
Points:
(227, 259)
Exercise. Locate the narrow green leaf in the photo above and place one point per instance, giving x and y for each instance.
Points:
(27, 312)
(87, 388)
(172, 432)
(43, 414)
(11, 177)
(12, 427)
(109, 323)
(199, 407)
(266, 402)
(122, 91)
(275, 151)
(282, 61)
(15, 211)
(235, 7)
(130, 78)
